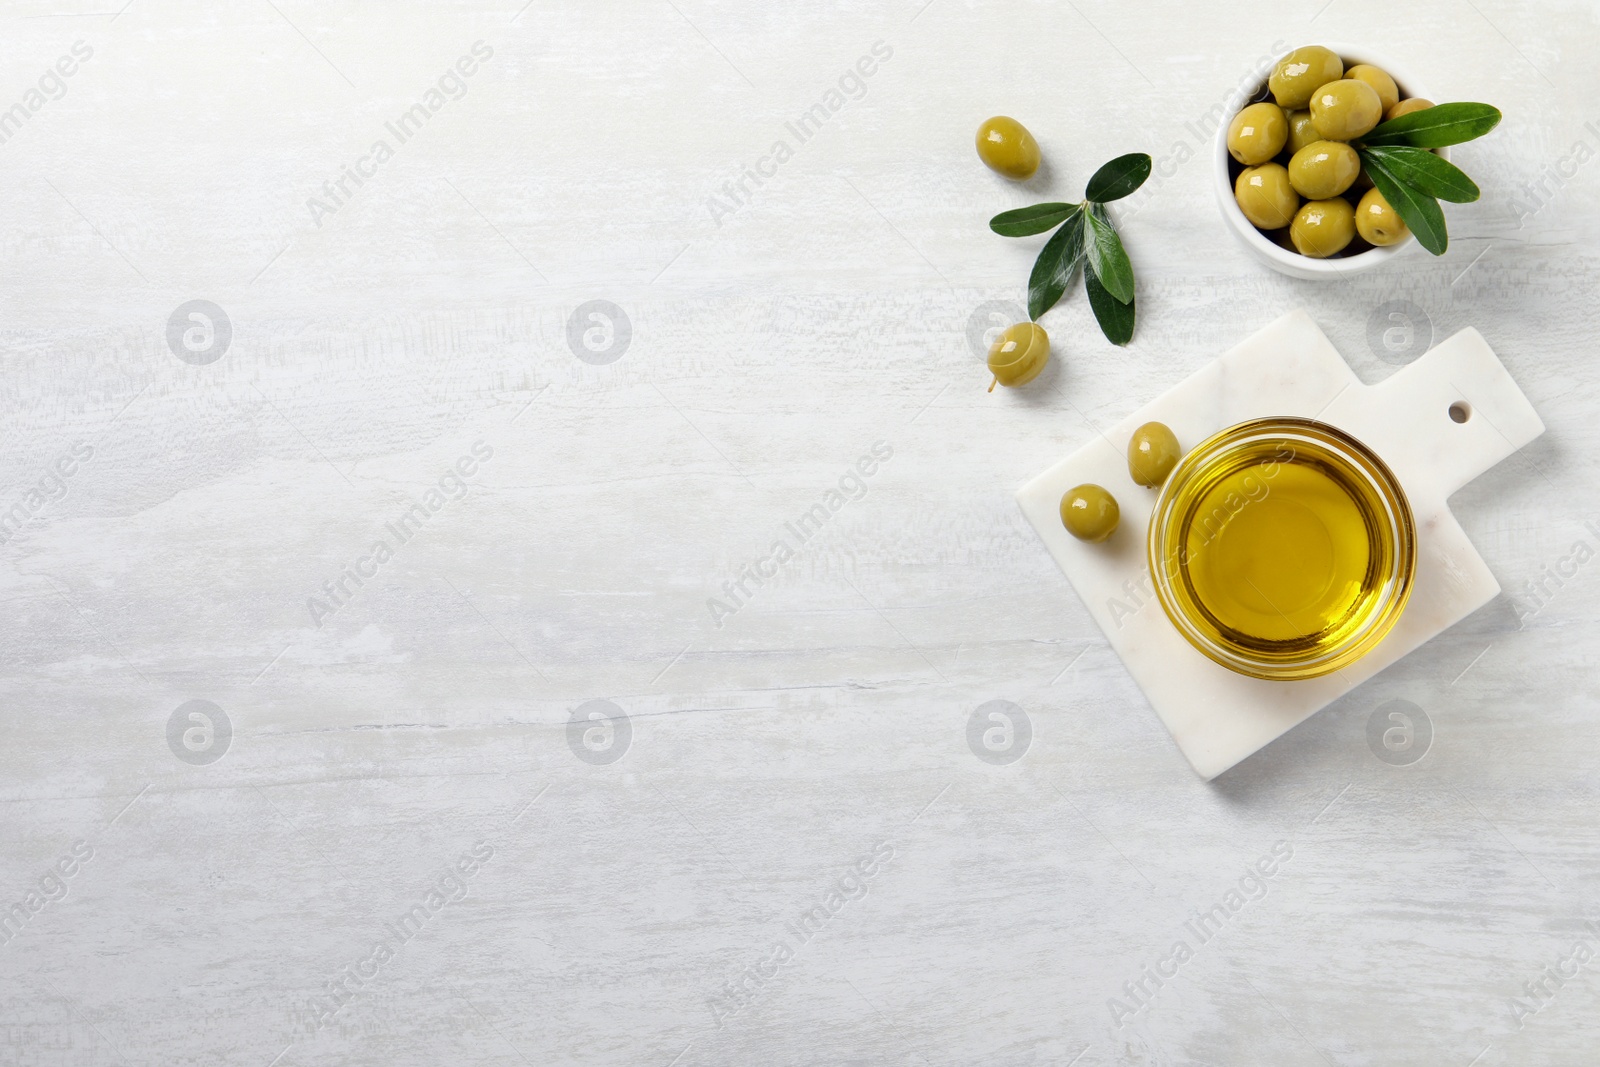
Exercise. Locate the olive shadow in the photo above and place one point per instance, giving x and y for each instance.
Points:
(1043, 181)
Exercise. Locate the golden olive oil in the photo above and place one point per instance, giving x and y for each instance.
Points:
(1286, 549)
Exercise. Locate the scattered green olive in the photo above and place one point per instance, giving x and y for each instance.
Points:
(1323, 227)
(1323, 168)
(1152, 453)
(1007, 148)
(1377, 222)
(1345, 109)
(1388, 92)
(1301, 131)
(1089, 513)
(1257, 133)
(1301, 73)
(1019, 354)
(1265, 196)
(1406, 107)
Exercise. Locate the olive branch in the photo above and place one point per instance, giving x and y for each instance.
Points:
(1413, 179)
(1086, 236)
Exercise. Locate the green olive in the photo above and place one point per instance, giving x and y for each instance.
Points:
(1265, 196)
(1323, 227)
(1152, 453)
(1089, 513)
(1323, 168)
(1345, 109)
(1406, 107)
(1007, 148)
(1019, 354)
(1388, 92)
(1377, 222)
(1301, 132)
(1257, 133)
(1301, 73)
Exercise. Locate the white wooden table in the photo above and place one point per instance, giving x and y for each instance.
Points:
(380, 839)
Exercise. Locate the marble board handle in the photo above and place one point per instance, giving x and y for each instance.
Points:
(1442, 420)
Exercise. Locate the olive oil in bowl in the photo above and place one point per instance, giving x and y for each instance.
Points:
(1282, 548)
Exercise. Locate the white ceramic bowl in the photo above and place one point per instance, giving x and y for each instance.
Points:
(1279, 258)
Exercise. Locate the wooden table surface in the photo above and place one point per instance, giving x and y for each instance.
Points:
(309, 597)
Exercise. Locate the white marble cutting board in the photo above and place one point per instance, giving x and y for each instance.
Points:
(1219, 717)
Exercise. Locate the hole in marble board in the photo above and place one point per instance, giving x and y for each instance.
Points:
(1460, 411)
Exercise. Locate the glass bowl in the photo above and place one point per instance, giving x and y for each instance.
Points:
(1282, 548)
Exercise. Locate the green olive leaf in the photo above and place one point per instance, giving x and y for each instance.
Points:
(1118, 178)
(1417, 209)
(1107, 256)
(1437, 126)
(1425, 172)
(1115, 317)
(1027, 221)
(1058, 261)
